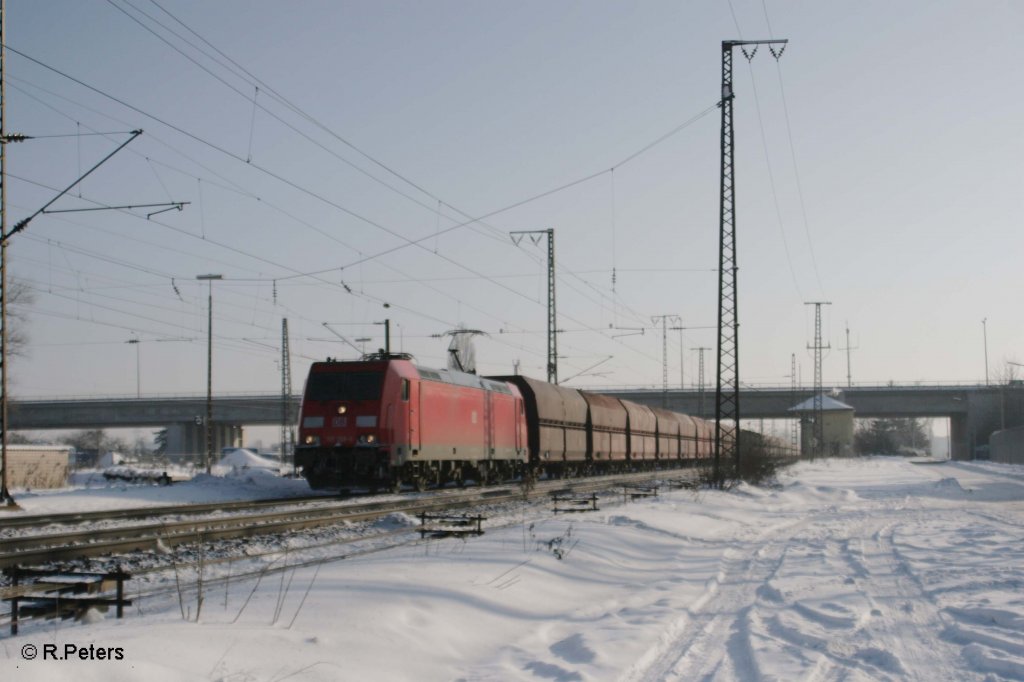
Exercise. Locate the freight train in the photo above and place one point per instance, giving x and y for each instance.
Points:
(383, 423)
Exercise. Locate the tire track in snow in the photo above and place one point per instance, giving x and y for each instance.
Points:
(692, 646)
(906, 622)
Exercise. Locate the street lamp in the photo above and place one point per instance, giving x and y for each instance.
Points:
(207, 424)
(984, 333)
(682, 361)
(138, 380)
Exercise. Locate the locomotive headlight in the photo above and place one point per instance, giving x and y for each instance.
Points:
(367, 439)
(311, 440)
(342, 409)
(371, 438)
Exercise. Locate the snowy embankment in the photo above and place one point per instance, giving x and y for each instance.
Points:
(240, 475)
(873, 569)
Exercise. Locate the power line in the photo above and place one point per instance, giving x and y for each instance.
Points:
(792, 152)
(280, 178)
(771, 181)
(294, 185)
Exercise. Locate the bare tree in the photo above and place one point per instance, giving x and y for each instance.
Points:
(1009, 372)
(97, 439)
(19, 297)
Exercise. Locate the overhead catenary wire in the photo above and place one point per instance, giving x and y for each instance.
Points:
(517, 204)
(546, 194)
(255, 83)
(167, 275)
(266, 171)
(771, 182)
(796, 169)
(792, 149)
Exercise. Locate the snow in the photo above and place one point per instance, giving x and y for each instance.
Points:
(865, 569)
(237, 479)
(243, 458)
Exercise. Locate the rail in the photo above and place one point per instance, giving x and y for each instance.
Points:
(36, 549)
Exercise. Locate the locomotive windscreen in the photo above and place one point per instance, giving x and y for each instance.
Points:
(344, 386)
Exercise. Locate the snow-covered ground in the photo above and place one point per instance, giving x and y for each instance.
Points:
(868, 569)
(91, 491)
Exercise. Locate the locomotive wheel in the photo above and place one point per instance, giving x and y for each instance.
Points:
(420, 483)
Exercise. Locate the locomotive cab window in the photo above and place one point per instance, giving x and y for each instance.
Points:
(345, 386)
(405, 390)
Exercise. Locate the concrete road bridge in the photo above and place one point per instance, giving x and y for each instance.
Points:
(974, 411)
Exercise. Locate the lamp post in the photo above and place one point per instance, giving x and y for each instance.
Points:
(682, 362)
(1008, 382)
(984, 334)
(208, 422)
(138, 375)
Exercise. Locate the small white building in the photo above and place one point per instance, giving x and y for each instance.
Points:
(837, 427)
(110, 459)
(38, 466)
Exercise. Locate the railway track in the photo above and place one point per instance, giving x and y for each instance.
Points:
(43, 520)
(40, 548)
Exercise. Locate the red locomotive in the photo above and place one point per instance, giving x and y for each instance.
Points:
(383, 422)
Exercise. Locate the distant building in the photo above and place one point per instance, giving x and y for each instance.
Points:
(1007, 446)
(38, 466)
(837, 427)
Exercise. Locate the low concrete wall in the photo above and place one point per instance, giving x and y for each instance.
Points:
(1007, 446)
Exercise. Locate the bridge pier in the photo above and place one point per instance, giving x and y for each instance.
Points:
(961, 441)
(188, 438)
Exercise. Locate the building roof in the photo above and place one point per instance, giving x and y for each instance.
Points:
(827, 405)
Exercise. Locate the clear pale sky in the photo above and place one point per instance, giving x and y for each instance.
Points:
(878, 166)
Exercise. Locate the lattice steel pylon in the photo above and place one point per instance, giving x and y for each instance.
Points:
(665, 319)
(794, 433)
(287, 432)
(727, 391)
(700, 382)
(819, 411)
(535, 236)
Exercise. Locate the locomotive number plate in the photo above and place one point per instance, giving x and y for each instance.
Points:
(339, 421)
